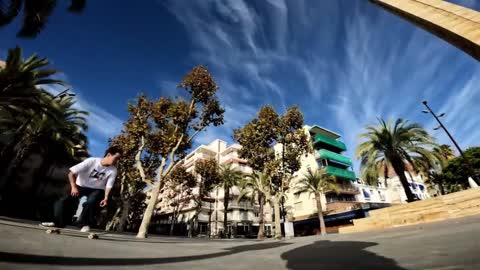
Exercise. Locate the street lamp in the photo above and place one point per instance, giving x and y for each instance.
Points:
(437, 117)
(63, 94)
(60, 95)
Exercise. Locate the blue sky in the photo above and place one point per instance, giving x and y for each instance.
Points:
(344, 62)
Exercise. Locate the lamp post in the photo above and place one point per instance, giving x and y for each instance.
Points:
(60, 95)
(437, 117)
(63, 94)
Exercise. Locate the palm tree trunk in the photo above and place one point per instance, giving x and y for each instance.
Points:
(276, 208)
(261, 222)
(399, 168)
(172, 225)
(194, 222)
(226, 199)
(323, 229)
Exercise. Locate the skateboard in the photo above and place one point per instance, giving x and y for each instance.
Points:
(55, 230)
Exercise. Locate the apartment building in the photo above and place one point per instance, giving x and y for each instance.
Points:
(242, 215)
(353, 198)
(395, 189)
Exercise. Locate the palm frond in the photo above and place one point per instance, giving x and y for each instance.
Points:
(9, 11)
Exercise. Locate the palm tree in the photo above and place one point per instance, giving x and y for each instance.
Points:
(20, 82)
(22, 102)
(444, 153)
(394, 145)
(257, 186)
(230, 178)
(317, 182)
(57, 134)
(35, 13)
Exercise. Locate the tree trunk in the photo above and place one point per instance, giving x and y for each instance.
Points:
(172, 226)
(147, 216)
(323, 229)
(111, 225)
(124, 216)
(194, 220)
(261, 222)
(399, 168)
(226, 199)
(276, 207)
(442, 189)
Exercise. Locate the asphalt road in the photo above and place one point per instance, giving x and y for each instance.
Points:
(443, 245)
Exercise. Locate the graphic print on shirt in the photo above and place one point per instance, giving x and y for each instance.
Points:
(97, 175)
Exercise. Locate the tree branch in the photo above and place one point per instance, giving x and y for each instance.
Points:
(171, 158)
(138, 162)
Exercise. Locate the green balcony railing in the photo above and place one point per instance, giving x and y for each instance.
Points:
(340, 172)
(329, 155)
(319, 138)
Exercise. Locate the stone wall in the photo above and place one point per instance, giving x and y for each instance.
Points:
(454, 205)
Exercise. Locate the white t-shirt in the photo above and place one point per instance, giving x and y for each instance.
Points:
(90, 173)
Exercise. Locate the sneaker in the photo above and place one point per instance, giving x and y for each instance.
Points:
(85, 229)
(47, 224)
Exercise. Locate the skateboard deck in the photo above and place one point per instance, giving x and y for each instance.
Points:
(67, 231)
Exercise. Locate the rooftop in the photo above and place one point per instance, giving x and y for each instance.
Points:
(318, 129)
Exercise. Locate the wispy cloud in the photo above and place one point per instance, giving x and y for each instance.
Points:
(101, 123)
(249, 54)
(345, 63)
(389, 76)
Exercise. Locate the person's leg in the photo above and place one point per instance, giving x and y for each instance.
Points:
(63, 210)
(90, 207)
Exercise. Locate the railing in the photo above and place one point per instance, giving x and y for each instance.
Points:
(317, 138)
(338, 207)
(240, 205)
(346, 189)
(340, 172)
(329, 155)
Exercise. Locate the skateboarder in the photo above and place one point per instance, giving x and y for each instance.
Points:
(94, 178)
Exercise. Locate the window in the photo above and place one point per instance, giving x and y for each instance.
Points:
(243, 215)
(366, 194)
(257, 214)
(339, 198)
(203, 228)
(322, 163)
(382, 197)
(296, 195)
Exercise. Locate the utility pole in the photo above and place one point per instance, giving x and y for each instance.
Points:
(437, 117)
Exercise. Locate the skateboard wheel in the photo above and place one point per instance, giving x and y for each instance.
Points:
(92, 236)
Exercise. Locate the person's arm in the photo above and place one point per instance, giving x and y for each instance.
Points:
(108, 188)
(73, 186)
(72, 174)
(104, 202)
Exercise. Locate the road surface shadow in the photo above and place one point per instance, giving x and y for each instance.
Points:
(337, 255)
(81, 261)
(112, 236)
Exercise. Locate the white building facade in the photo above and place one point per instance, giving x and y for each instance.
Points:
(242, 215)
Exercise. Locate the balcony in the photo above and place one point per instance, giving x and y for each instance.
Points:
(339, 207)
(240, 205)
(319, 138)
(329, 155)
(346, 189)
(342, 173)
